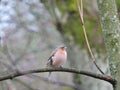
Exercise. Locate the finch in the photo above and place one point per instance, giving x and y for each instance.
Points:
(57, 58)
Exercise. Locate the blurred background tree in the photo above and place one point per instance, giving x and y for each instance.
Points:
(33, 28)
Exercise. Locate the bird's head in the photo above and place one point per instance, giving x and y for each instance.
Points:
(63, 47)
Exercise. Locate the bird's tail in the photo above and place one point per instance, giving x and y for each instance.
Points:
(49, 75)
(49, 63)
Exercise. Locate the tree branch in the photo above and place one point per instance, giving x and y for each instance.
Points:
(11, 75)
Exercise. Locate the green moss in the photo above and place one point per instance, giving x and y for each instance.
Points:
(113, 43)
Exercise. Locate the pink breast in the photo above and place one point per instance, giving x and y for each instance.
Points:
(59, 59)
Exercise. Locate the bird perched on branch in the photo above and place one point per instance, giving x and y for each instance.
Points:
(57, 58)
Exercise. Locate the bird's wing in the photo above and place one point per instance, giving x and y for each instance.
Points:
(50, 60)
(53, 53)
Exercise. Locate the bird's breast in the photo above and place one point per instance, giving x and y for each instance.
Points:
(59, 58)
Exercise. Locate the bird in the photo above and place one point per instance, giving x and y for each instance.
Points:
(57, 58)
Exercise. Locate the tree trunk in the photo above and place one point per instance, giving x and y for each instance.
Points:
(111, 31)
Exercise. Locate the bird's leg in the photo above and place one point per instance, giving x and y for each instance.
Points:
(48, 77)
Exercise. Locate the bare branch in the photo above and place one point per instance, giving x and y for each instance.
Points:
(11, 75)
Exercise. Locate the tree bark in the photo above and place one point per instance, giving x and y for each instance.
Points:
(111, 32)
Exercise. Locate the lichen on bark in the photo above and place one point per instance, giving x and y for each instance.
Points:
(111, 31)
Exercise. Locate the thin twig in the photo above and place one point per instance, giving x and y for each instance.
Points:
(11, 75)
(80, 10)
